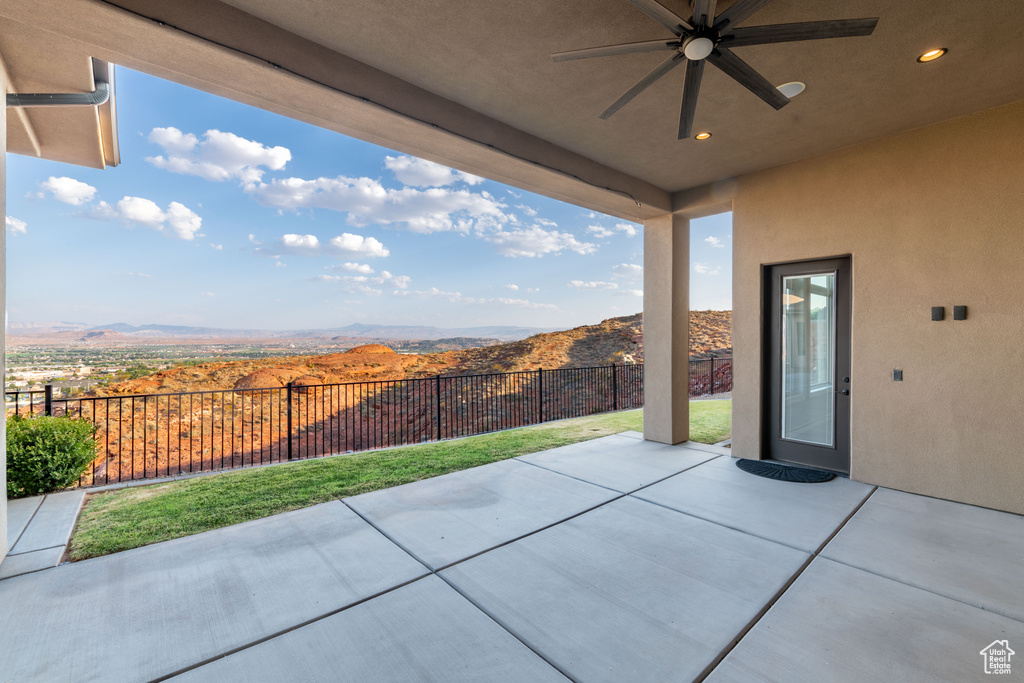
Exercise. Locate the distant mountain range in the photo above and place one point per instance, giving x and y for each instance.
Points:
(354, 331)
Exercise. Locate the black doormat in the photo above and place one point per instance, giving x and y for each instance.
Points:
(773, 470)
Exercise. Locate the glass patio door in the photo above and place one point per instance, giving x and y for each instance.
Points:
(809, 382)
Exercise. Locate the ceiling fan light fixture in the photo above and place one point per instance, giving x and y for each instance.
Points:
(932, 55)
(791, 89)
(697, 49)
(702, 136)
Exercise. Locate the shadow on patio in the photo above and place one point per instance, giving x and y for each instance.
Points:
(609, 560)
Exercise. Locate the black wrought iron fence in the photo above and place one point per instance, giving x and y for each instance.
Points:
(161, 435)
(709, 376)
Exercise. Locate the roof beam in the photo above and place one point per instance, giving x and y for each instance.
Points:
(214, 47)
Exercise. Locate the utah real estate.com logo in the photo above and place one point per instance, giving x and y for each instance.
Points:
(997, 657)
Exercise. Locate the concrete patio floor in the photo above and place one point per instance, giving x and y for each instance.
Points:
(611, 560)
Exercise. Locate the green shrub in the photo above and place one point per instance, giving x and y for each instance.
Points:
(46, 454)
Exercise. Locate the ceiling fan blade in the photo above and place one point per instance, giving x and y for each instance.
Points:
(643, 83)
(735, 15)
(622, 49)
(743, 74)
(704, 13)
(691, 88)
(664, 16)
(807, 30)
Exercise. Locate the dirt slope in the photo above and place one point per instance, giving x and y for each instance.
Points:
(616, 340)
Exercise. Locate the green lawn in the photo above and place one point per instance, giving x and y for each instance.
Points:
(128, 518)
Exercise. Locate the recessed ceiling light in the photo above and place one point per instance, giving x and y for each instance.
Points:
(932, 55)
(791, 89)
(702, 136)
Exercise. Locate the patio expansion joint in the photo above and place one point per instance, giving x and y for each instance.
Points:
(10, 543)
(926, 590)
(503, 626)
(675, 474)
(712, 521)
(782, 591)
(36, 550)
(548, 469)
(492, 617)
(282, 632)
(609, 488)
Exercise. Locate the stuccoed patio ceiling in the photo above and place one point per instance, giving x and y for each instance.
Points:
(494, 56)
(481, 72)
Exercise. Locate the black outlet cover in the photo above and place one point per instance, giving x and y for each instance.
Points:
(959, 313)
(938, 312)
(897, 375)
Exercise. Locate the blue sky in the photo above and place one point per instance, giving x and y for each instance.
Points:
(222, 215)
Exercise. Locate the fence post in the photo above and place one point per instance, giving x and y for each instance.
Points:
(437, 397)
(540, 394)
(48, 399)
(288, 394)
(615, 389)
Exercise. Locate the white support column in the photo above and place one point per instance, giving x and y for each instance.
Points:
(3, 301)
(667, 329)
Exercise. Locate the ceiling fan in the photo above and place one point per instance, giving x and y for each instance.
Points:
(707, 37)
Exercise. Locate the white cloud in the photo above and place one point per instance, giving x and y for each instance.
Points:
(210, 294)
(523, 303)
(457, 297)
(628, 271)
(69, 190)
(423, 173)
(627, 229)
(303, 245)
(435, 293)
(704, 269)
(388, 280)
(602, 232)
(218, 247)
(714, 241)
(580, 284)
(514, 288)
(633, 292)
(15, 226)
(353, 267)
(141, 211)
(366, 284)
(536, 242)
(529, 211)
(218, 156)
(181, 220)
(344, 245)
(533, 290)
(347, 244)
(139, 275)
(367, 201)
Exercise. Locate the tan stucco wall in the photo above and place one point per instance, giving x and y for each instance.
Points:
(666, 328)
(932, 217)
